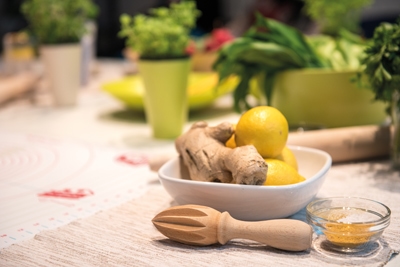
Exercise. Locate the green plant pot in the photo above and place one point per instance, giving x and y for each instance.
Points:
(165, 97)
(325, 98)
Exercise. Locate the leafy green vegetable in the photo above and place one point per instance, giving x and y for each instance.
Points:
(343, 52)
(382, 62)
(335, 15)
(55, 22)
(266, 49)
(162, 34)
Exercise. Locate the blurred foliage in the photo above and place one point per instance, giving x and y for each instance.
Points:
(165, 33)
(270, 47)
(334, 15)
(342, 52)
(382, 62)
(267, 48)
(55, 22)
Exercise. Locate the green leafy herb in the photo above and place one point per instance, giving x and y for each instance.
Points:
(55, 22)
(266, 49)
(162, 34)
(335, 15)
(382, 62)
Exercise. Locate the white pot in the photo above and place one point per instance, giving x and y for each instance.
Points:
(62, 66)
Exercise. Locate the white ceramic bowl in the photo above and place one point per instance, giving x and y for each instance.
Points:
(251, 202)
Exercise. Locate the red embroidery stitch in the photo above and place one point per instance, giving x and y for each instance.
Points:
(133, 159)
(67, 193)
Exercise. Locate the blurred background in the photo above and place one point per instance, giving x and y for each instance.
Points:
(236, 15)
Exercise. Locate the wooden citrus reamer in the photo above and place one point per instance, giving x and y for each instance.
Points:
(202, 226)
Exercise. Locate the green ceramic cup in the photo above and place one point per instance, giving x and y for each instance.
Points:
(165, 97)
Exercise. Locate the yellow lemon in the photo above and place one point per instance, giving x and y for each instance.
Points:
(288, 157)
(264, 127)
(281, 173)
(231, 141)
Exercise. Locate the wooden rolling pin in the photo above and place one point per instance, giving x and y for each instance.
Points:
(343, 144)
(19, 83)
(346, 143)
(202, 226)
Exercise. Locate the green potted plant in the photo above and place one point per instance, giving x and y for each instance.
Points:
(333, 16)
(382, 67)
(161, 40)
(58, 27)
(308, 78)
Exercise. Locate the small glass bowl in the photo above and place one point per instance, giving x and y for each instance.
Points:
(349, 224)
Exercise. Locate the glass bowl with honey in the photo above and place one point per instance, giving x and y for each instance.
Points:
(349, 224)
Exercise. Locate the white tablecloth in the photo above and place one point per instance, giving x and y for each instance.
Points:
(125, 236)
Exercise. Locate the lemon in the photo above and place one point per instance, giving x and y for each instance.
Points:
(231, 141)
(264, 127)
(281, 173)
(288, 157)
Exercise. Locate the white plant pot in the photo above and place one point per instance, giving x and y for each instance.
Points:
(62, 66)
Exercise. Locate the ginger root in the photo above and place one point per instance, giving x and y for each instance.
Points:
(203, 152)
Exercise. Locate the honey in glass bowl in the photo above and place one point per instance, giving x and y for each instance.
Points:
(349, 224)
